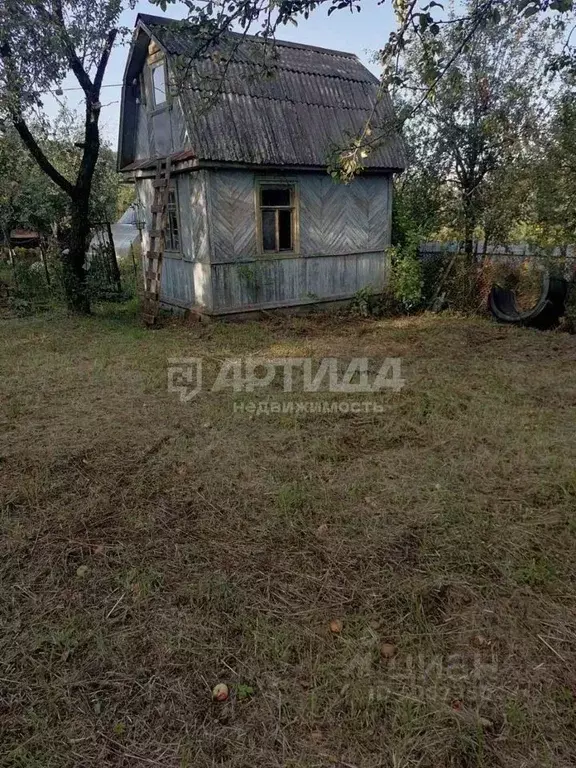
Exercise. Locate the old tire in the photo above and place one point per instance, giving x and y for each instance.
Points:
(543, 315)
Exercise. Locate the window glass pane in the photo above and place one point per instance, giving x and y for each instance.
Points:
(272, 196)
(285, 230)
(172, 231)
(159, 82)
(269, 230)
(173, 235)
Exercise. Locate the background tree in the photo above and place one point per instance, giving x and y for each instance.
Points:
(41, 41)
(553, 192)
(29, 198)
(475, 125)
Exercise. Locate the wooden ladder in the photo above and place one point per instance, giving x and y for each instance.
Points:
(157, 233)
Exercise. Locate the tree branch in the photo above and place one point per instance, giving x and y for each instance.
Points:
(103, 63)
(23, 130)
(75, 64)
(37, 153)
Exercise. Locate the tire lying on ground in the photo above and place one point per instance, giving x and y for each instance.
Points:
(545, 313)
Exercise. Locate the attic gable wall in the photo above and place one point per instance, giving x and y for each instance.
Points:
(147, 133)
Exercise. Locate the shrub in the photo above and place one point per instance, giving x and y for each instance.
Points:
(406, 281)
(31, 292)
(569, 323)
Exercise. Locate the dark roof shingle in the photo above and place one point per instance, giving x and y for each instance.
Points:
(317, 99)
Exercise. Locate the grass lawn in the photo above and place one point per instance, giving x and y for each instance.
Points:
(150, 549)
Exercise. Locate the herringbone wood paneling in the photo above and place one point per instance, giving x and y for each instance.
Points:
(338, 218)
(233, 216)
(334, 218)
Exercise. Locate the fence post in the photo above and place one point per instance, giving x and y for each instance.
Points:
(44, 262)
(12, 260)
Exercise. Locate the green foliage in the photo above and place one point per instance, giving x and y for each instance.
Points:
(406, 276)
(28, 197)
(418, 21)
(247, 273)
(476, 124)
(244, 691)
(41, 42)
(553, 189)
(30, 292)
(414, 214)
(362, 302)
(417, 206)
(38, 39)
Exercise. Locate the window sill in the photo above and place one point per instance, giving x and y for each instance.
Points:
(277, 254)
(158, 110)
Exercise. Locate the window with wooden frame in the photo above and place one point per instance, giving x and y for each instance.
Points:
(277, 217)
(172, 233)
(159, 89)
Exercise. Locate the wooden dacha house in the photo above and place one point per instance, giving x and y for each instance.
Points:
(253, 219)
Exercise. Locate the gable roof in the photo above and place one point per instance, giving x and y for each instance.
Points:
(316, 100)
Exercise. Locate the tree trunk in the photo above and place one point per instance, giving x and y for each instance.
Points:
(469, 240)
(469, 227)
(74, 256)
(113, 259)
(470, 278)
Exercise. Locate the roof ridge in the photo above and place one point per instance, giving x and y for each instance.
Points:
(166, 21)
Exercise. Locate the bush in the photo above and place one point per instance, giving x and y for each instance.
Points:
(406, 280)
(569, 323)
(452, 281)
(31, 292)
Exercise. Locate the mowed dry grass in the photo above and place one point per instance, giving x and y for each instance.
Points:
(151, 549)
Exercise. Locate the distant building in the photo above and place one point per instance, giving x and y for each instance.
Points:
(24, 238)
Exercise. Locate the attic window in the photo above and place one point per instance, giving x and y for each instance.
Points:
(159, 84)
(277, 217)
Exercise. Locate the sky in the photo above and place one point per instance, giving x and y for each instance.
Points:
(360, 33)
